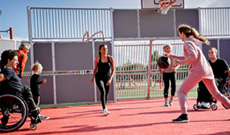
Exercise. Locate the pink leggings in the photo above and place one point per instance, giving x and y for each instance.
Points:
(190, 82)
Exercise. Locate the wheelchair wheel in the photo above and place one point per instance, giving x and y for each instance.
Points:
(225, 93)
(214, 107)
(195, 107)
(13, 112)
(33, 126)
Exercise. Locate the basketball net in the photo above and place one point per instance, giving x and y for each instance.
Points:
(164, 6)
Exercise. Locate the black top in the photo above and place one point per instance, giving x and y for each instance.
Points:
(219, 68)
(103, 69)
(12, 81)
(35, 82)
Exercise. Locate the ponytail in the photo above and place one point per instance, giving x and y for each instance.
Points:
(189, 31)
(198, 36)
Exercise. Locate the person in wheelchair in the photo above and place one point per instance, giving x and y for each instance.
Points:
(10, 84)
(221, 72)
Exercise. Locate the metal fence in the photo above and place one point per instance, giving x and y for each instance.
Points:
(69, 23)
(215, 21)
(137, 74)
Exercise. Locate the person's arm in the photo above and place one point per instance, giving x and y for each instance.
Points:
(176, 57)
(192, 54)
(2, 78)
(112, 67)
(23, 64)
(39, 81)
(95, 69)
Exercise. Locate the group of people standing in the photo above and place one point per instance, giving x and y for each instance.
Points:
(199, 70)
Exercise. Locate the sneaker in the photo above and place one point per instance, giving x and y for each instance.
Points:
(171, 102)
(206, 104)
(34, 115)
(166, 103)
(183, 118)
(43, 117)
(201, 104)
(106, 112)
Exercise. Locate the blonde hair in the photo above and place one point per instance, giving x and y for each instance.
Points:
(214, 49)
(167, 45)
(35, 68)
(189, 31)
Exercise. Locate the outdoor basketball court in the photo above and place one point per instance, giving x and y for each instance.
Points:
(133, 117)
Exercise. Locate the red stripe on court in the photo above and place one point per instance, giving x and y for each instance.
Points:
(137, 117)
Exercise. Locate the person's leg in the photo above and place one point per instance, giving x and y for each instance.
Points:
(212, 88)
(33, 109)
(106, 92)
(36, 100)
(173, 87)
(27, 95)
(166, 87)
(100, 85)
(190, 82)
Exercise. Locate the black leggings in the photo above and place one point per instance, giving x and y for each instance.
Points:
(101, 84)
(166, 78)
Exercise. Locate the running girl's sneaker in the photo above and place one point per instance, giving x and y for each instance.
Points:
(183, 118)
(106, 112)
(171, 102)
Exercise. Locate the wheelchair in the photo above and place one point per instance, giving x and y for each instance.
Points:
(14, 112)
(213, 105)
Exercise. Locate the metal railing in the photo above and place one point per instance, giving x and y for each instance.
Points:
(69, 23)
(215, 21)
(134, 78)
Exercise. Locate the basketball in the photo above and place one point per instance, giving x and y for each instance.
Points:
(163, 62)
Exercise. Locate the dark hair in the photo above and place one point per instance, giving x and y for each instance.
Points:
(99, 53)
(189, 31)
(7, 54)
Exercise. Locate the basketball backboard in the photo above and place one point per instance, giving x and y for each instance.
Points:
(154, 4)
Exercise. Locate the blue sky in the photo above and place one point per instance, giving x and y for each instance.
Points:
(14, 12)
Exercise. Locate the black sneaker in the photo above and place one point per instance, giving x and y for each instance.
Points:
(183, 118)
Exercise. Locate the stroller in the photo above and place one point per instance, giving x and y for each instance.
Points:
(202, 90)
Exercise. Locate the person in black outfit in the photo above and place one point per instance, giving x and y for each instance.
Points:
(221, 72)
(35, 82)
(102, 65)
(11, 84)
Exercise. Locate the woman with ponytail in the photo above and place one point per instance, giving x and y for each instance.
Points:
(199, 69)
(102, 65)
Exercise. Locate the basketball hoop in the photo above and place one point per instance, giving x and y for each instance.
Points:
(165, 5)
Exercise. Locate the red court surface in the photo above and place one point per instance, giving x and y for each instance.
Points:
(134, 117)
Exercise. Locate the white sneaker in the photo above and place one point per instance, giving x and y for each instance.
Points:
(207, 105)
(106, 112)
(201, 104)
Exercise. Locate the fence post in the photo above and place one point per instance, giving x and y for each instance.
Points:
(149, 69)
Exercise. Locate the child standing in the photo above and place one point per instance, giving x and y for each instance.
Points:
(35, 82)
(168, 75)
